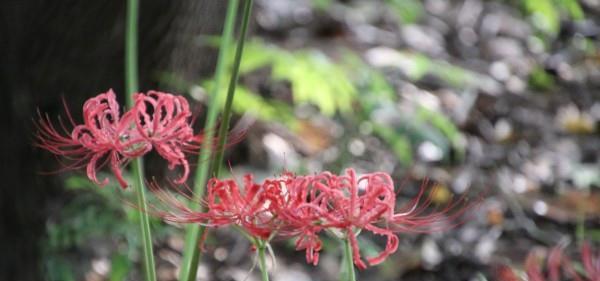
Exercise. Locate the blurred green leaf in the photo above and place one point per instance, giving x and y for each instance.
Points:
(322, 4)
(94, 212)
(421, 65)
(573, 9)
(424, 125)
(372, 86)
(407, 11)
(418, 132)
(314, 77)
(120, 266)
(335, 87)
(265, 109)
(443, 124)
(453, 75)
(417, 65)
(544, 15)
(540, 79)
(399, 143)
(258, 54)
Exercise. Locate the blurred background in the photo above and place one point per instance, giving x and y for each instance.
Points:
(499, 97)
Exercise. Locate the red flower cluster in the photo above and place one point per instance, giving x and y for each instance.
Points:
(558, 267)
(302, 207)
(157, 120)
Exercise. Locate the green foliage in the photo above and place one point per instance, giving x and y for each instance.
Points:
(265, 109)
(444, 125)
(349, 86)
(314, 77)
(573, 8)
(94, 212)
(245, 101)
(418, 131)
(322, 4)
(407, 11)
(424, 124)
(417, 65)
(540, 79)
(335, 87)
(399, 142)
(119, 267)
(453, 75)
(271, 110)
(420, 126)
(371, 85)
(546, 14)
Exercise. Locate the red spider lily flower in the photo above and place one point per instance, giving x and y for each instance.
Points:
(250, 208)
(157, 120)
(303, 211)
(368, 203)
(163, 120)
(104, 137)
(558, 267)
(277, 207)
(302, 206)
(343, 207)
(311, 243)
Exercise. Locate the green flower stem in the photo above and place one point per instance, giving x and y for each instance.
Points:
(191, 251)
(131, 86)
(191, 254)
(222, 137)
(348, 261)
(262, 261)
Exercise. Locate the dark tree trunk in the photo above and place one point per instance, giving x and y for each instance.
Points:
(74, 49)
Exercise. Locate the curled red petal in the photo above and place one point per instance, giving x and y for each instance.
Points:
(355, 250)
(390, 247)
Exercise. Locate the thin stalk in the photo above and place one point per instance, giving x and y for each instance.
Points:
(262, 262)
(191, 253)
(131, 86)
(348, 261)
(222, 137)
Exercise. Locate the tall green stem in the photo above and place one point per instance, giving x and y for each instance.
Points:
(348, 261)
(191, 252)
(131, 86)
(222, 137)
(191, 255)
(262, 262)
